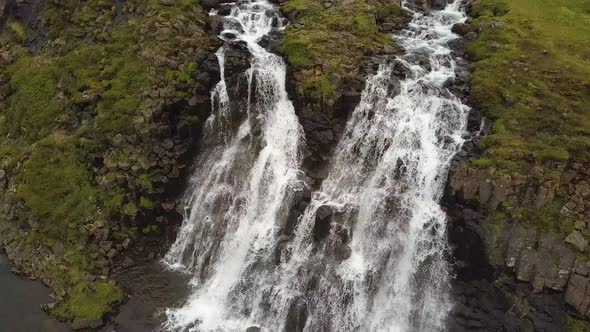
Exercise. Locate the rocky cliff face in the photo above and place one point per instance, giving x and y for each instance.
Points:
(518, 207)
(528, 262)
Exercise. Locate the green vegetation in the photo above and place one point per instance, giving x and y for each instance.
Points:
(576, 325)
(326, 45)
(98, 79)
(34, 109)
(18, 30)
(90, 300)
(532, 77)
(58, 189)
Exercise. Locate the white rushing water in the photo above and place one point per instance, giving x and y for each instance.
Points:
(240, 187)
(381, 263)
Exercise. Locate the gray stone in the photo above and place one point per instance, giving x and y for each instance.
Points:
(577, 240)
(112, 253)
(485, 191)
(575, 294)
(526, 265)
(461, 29)
(106, 245)
(128, 262)
(583, 189)
(58, 248)
(582, 268)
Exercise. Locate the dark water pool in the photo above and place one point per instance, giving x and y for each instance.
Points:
(151, 289)
(20, 304)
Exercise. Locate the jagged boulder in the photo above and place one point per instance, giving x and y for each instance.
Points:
(462, 29)
(577, 240)
(323, 219)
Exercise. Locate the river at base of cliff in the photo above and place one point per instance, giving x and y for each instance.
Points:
(20, 303)
(151, 288)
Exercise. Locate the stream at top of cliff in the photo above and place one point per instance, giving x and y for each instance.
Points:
(368, 251)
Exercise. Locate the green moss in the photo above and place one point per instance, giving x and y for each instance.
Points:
(34, 109)
(547, 220)
(577, 325)
(18, 30)
(483, 162)
(328, 44)
(532, 77)
(146, 203)
(90, 301)
(57, 188)
(150, 229)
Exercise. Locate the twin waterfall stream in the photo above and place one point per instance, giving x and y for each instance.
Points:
(382, 264)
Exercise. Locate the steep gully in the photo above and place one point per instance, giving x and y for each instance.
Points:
(368, 249)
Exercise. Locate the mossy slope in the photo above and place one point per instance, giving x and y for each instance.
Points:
(327, 41)
(93, 93)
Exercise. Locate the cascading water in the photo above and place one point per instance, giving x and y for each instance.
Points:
(241, 186)
(369, 251)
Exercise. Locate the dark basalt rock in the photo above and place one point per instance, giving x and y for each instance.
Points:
(436, 4)
(224, 10)
(210, 4)
(237, 58)
(297, 316)
(323, 219)
(462, 29)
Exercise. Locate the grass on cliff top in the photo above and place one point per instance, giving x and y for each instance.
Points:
(532, 77)
(327, 44)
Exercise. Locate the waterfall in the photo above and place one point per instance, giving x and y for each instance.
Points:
(241, 185)
(369, 252)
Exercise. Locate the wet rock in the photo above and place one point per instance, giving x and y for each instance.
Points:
(297, 316)
(209, 4)
(237, 58)
(224, 9)
(321, 228)
(462, 29)
(342, 252)
(81, 324)
(577, 240)
(436, 4)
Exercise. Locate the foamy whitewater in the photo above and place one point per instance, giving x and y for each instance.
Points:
(383, 266)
